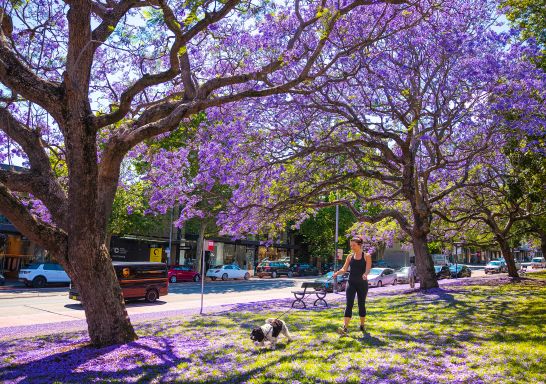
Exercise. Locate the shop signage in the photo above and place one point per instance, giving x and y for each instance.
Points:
(210, 245)
(155, 254)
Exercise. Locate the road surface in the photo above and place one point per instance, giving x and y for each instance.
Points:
(28, 307)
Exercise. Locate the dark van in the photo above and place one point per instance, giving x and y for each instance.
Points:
(138, 280)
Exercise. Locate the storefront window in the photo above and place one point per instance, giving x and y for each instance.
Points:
(19, 251)
(272, 253)
(229, 253)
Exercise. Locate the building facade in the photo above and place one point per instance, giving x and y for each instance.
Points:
(18, 250)
(246, 253)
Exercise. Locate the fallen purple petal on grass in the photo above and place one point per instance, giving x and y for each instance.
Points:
(216, 348)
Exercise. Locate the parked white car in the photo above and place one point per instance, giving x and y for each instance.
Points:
(379, 277)
(40, 274)
(538, 262)
(226, 272)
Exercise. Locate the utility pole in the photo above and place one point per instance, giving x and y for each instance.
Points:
(170, 237)
(335, 242)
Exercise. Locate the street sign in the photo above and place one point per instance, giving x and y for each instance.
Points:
(155, 254)
(210, 245)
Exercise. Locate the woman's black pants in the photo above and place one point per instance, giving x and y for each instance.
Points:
(360, 289)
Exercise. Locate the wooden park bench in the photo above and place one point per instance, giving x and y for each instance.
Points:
(310, 289)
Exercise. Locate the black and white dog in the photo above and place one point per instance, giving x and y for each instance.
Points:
(270, 331)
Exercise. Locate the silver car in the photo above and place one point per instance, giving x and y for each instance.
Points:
(379, 277)
(495, 266)
(402, 275)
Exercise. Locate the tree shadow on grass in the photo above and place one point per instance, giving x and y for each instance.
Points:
(85, 364)
(449, 325)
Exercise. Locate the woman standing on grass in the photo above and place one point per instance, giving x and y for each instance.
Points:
(359, 265)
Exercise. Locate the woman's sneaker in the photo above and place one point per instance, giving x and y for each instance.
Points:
(342, 331)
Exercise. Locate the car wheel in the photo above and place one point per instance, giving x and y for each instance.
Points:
(173, 279)
(395, 282)
(151, 295)
(274, 275)
(225, 276)
(196, 278)
(39, 282)
(213, 278)
(379, 283)
(247, 276)
(290, 274)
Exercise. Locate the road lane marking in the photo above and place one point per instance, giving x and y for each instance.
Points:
(55, 313)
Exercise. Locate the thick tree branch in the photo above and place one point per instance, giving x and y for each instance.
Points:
(41, 181)
(47, 236)
(22, 81)
(17, 181)
(178, 60)
(386, 213)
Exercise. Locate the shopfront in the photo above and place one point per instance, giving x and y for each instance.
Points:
(18, 250)
(138, 249)
(244, 253)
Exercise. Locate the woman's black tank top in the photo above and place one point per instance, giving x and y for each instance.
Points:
(358, 267)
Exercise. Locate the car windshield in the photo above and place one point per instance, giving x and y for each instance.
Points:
(218, 267)
(494, 263)
(452, 268)
(32, 266)
(404, 270)
(537, 259)
(437, 268)
(376, 271)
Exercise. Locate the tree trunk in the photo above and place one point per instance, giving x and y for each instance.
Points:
(88, 259)
(543, 244)
(424, 263)
(508, 257)
(107, 319)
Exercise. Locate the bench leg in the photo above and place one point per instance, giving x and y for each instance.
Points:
(320, 300)
(299, 300)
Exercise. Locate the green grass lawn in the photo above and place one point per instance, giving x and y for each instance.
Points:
(486, 331)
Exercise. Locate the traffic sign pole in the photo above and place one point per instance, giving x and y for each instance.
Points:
(202, 276)
(210, 247)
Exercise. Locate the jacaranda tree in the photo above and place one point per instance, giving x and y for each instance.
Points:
(396, 128)
(87, 81)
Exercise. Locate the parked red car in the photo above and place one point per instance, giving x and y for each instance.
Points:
(182, 273)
